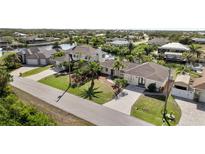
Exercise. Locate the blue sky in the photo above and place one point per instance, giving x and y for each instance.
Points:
(103, 14)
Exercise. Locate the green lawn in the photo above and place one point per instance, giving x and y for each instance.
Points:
(35, 71)
(150, 109)
(61, 82)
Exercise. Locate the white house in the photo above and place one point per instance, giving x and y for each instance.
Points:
(173, 51)
(87, 53)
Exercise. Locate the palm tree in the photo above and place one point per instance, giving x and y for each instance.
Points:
(93, 70)
(182, 69)
(195, 50)
(130, 58)
(118, 64)
(130, 47)
(148, 49)
(56, 46)
(140, 55)
(188, 56)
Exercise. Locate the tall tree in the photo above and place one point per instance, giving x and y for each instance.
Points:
(118, 64)
(57, 46)
(5, 78)
(93, 70)
(188, 56)
(11, 60)
(130, 47)
(194, 48)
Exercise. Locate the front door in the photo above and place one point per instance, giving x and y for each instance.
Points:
(112, 72)
(141, 81)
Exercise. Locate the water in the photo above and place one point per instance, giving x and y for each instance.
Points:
(63, 46)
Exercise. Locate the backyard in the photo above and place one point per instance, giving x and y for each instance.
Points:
(150, 109)
(104, 91)
(35, 71)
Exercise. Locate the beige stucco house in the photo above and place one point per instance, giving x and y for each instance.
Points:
(139, 74)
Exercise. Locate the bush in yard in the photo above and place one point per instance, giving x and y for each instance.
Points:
(152, 87)
(59, 54)
(11, 60)
(119, 84)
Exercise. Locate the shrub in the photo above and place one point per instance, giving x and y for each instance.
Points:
(152, 87)
(58, 54)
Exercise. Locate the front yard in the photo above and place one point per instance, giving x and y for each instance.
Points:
(61, 82)
(150, 109)
(35, 71)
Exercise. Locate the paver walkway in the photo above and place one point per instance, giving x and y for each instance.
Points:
(84, 109)
(124, 104)
(193, 114)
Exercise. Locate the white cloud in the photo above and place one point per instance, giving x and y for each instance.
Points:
(112, 14)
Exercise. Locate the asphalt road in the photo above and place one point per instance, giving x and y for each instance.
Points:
(85, 109)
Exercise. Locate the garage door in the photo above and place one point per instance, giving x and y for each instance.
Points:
(32, 61)
(202, 97)
(43, 62)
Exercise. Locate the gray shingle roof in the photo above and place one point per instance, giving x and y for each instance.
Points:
(151, 71)
(35, 53)
(83, 50)
(158, 41)
(127, 65)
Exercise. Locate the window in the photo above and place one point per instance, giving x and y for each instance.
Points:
(106, 69)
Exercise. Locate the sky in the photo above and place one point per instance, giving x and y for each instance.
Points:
(103, 14)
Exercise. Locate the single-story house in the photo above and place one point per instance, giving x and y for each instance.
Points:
(147, 73)
(171, 48)
(86, 52)
(182, 87)
(107, 68)
(139, 74)
(199, 40)
(158, 41)
(199, 85)
(36, 56)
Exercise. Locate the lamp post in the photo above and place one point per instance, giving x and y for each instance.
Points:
(69, 69)
(166, 100)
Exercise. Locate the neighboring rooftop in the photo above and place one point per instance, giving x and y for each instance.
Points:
(119, 42)
(83, 50)
(174, 47)
(35, 52)
(127, 65)
(199, 83)
(199, 40)
(183, 79)
(150, 71)
(158, 41)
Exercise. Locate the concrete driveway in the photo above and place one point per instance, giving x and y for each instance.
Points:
(22, 70)
(43, 74)
(193, 114)
(124, 104)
